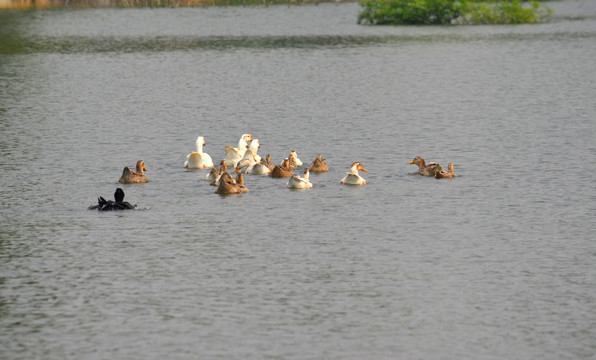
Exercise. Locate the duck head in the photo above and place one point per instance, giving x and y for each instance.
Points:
(356, 167)
(119, 195)
(306, 174)
(223, 167)
(200, 143)
(254, 146)
(418, 161)
(240, 179)
(141, 166)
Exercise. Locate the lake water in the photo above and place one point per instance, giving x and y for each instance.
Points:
(498, 263)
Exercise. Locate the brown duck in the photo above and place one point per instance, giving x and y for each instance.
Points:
(426, 170)
(228, 186)
(319, 165)
(215, 174)
(132, 177)
(282, 171)
(442, 174)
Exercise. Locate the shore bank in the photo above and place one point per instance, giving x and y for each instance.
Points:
(56, 4)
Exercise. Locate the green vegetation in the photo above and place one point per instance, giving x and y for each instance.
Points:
(417, 12)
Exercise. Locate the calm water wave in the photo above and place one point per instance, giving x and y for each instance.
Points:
(497, 263)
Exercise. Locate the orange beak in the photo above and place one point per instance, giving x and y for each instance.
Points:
(204, 144)
(411, 162)
(144, 168)
(363, 169)
(237, 169)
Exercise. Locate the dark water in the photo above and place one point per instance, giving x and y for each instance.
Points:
(495, 264)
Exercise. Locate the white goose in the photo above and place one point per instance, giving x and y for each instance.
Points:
(296, 182)
(352, 178)
(198, 159)
(233, 155)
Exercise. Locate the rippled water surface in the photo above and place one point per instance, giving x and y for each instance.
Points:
(495, 264)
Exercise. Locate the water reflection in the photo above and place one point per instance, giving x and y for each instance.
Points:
(81, 44)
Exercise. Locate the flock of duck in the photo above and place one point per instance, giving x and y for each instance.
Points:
(245, 160)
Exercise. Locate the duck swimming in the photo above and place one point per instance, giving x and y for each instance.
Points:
(249, 159)
(198, 159)
(319, 165)
(297, 182)
(263, 167)
(426, 170)
(109, 205)
(442, 174)
(282, 171)
(228, 186)
(233, 155)
(294, 161)
(215, 173)
(132, 177)
(352, 178)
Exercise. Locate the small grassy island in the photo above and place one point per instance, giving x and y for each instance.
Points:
(440, 12)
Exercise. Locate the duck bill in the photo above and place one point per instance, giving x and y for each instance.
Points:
(363, 169)
(411, 162)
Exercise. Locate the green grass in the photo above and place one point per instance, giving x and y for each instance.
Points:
(440, 12)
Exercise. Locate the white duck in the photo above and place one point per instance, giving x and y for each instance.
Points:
(198, 159)
(233, 155)
(352, 178)
(263, 167)
(296, 182)
(248, 160)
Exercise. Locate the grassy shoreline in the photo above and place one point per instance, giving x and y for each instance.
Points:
(452, 12)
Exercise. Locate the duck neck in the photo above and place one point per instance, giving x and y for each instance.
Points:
(242, 144)
(421, 163)
(254, 146)
(200, 145)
